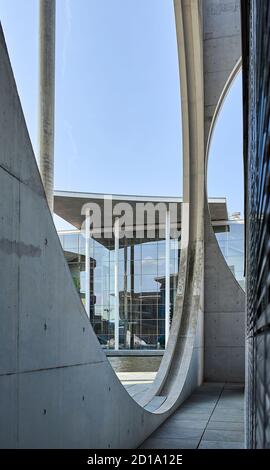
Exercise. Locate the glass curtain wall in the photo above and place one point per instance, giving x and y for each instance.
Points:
(230, 238)
(141, 282)
(141, 288)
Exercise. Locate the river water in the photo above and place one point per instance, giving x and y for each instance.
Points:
(135, 363)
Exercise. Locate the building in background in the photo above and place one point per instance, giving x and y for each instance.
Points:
(147, 269)
(230, 237)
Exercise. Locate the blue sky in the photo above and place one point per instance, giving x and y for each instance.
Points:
(118, 125)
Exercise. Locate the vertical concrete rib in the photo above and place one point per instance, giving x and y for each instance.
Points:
(47, 95)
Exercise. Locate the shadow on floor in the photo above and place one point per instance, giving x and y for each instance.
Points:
(212, 418)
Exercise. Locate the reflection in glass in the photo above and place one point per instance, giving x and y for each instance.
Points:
(141, 287)
(141, 282)
(230, 237)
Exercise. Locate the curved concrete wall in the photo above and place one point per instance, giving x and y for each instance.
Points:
(57, 388)
(224, 317)
(224, 308)
(222, 51)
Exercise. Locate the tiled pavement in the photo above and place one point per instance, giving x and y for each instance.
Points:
(212, 418)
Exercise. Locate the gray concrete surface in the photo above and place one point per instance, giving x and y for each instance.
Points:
(224, 316)
(212, 418)
(224, 299)
(47, 21)
(57, 388)
(222, 56)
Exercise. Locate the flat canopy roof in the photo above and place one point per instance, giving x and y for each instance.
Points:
(68, 205)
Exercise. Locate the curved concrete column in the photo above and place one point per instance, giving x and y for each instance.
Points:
(57, 387)
(54, 376)
(222, 52)
(181, 368)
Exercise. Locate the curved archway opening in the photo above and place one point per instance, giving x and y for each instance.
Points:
(225, 177)
(118, 144)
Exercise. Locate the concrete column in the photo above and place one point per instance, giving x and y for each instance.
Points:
(87, 263)
(47, 96)
(116, 284)
(167, 277)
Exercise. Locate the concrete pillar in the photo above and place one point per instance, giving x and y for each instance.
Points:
(87, 263)
(167, 277)
(116, 284)
(47, 96)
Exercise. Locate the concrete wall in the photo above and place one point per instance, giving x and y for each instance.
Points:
(224, 318)
(222, 53)
(224, 304)
(57, 388)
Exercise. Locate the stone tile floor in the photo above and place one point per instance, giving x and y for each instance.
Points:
(212, 418)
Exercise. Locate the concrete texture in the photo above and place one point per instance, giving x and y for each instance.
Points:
(181, 368)
(222, 55)
(68, 205)
(224, 299)
(57, 388)
(224, 316)
(47, 95)
(197, 427)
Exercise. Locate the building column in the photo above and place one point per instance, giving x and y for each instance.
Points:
(126, 328)
(47, 96)
(167, 276)
(87, 263)
(116, 284)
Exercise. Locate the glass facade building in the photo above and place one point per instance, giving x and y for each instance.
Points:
(230, 238)
(141, 282)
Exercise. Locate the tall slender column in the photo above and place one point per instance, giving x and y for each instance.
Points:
(132, 270)
(87, 263)
(116, 283)
(47, 95)
(126, 328)
(167, 277)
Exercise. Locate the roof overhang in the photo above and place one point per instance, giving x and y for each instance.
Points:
(70, 205)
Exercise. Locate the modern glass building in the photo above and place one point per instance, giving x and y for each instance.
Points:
(141, 283)
(133, 281)
(230, 237)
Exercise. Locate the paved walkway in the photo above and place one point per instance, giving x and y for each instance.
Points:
(212, 418)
